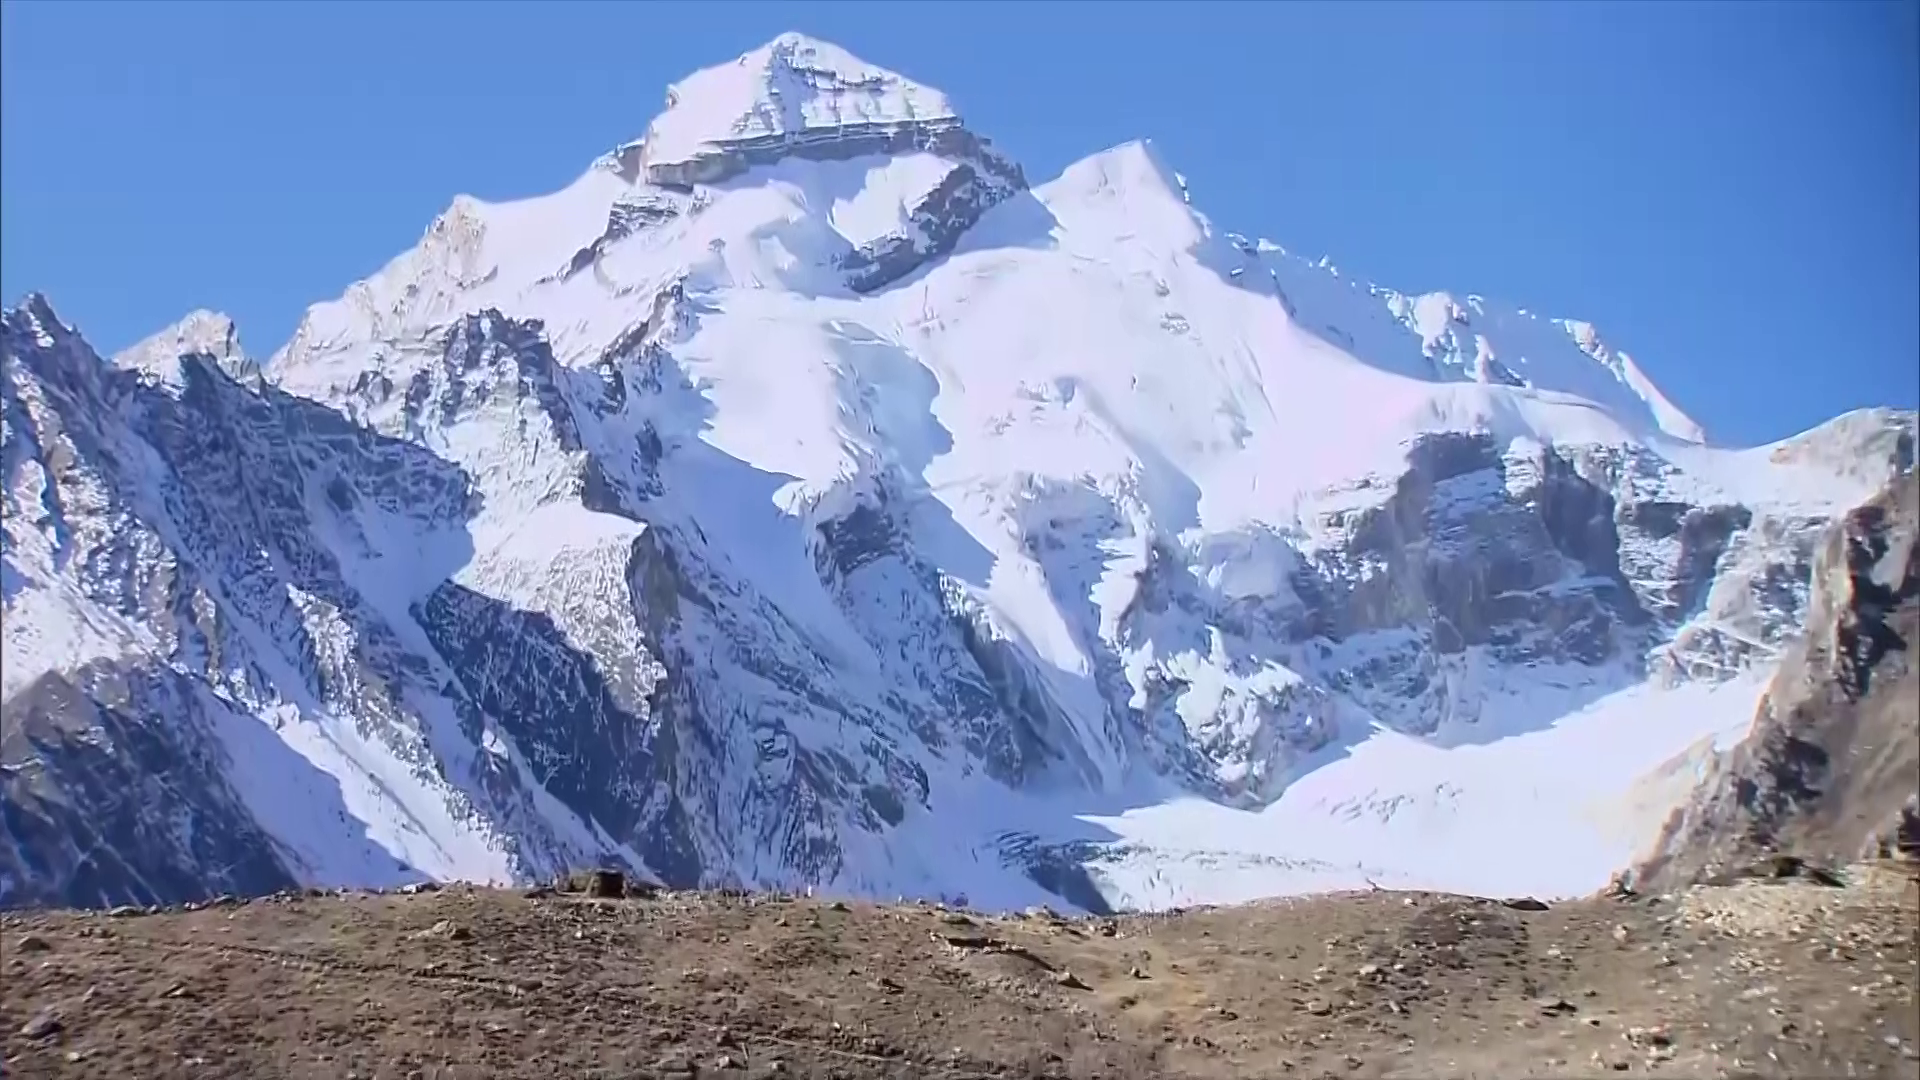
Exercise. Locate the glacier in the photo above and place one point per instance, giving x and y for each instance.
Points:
(801, 498)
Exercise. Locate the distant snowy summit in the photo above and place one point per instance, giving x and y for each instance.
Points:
(792, 89)
(795, 95)
(202, 333)
(800, 97)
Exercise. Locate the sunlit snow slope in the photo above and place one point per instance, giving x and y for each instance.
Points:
(801, 497)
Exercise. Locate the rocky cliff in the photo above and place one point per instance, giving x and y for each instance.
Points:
(1831, 769)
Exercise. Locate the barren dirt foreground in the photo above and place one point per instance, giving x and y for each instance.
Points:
(1759, 978)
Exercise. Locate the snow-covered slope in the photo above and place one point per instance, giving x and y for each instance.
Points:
(801, 497)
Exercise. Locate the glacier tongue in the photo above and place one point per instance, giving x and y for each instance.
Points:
(800, 498)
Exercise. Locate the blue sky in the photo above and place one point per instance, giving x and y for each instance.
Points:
(1729, 191)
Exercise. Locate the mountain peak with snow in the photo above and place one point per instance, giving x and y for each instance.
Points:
(793, 90)
(36, 310)
(200, 333)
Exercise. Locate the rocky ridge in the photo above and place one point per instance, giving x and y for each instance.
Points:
(1831, 769)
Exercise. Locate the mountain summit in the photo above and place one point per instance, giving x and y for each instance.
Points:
(792, 90)
(802, 497)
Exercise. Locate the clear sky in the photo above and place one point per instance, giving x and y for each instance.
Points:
(1730, 191)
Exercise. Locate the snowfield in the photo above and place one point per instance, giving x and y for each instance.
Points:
(800, 498)
(1536, 814)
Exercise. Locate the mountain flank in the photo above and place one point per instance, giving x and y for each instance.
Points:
(1831, 769)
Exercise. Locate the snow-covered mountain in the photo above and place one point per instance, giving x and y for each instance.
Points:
(801, 497)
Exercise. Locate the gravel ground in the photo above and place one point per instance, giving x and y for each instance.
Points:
(1758, 978)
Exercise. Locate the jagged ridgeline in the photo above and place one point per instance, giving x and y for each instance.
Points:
(803, 498)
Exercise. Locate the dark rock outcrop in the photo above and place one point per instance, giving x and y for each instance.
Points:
(982, 180)
(1831, 770)
(100, 806)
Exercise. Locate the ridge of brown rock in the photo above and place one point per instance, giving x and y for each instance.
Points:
(1831, 768)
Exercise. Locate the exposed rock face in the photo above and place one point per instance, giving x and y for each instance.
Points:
(103, 806)
(793, 95)
(979, 180)
(801, 99)
(200, 540)
(636, 213)
(234, 607)
(1831, 769)
(1472, 563)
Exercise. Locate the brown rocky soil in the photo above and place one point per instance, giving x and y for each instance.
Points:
(1776, 979)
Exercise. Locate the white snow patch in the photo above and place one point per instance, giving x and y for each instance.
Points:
(890, 188)
(1537, 814)
(46, 631)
